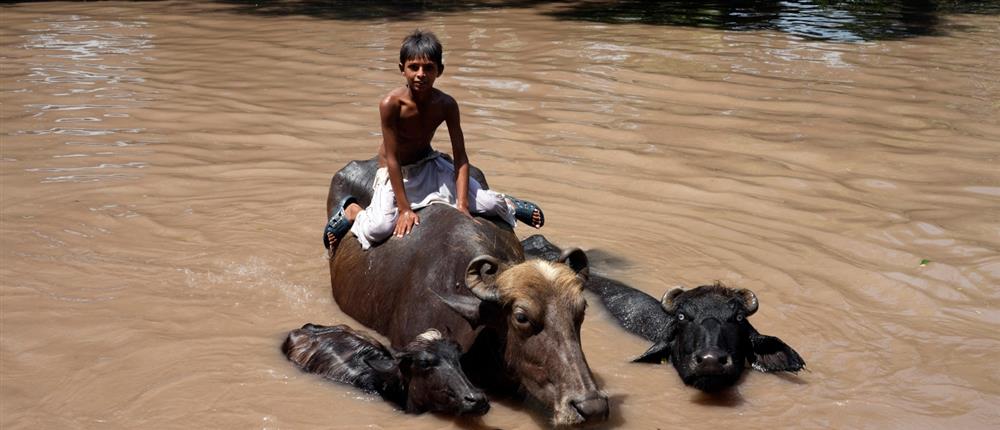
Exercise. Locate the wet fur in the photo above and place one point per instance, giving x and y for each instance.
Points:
(341, 354)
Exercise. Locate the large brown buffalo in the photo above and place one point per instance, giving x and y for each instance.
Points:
(518, 322)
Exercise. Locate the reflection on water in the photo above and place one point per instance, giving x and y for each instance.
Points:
(90, 74)
(832, 20)
(841, 21)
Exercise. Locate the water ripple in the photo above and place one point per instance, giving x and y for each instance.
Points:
(75, 62)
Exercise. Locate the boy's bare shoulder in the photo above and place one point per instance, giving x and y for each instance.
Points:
(444, 100)
(397, 94)
(394, 99)
(443, 97)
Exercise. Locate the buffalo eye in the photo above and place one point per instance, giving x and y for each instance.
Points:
(521, 318)
(425, 363)
(739, 317)
(680, 317)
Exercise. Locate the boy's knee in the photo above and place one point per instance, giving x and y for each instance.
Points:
(382, 229)
(374, 228)
(492, 203)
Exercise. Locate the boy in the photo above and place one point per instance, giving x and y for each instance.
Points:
(411, 174)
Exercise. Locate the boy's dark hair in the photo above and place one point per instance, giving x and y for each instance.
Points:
(421, 44)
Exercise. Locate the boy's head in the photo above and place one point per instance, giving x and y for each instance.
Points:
(421, 45)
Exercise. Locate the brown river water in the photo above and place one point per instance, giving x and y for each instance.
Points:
(165, 168)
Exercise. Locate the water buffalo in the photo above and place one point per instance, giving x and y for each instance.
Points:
(425, 376)
(704, 331)
(518, 322)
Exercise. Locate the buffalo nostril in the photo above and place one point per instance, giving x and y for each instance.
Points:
(476, 403)
(595, 408)
(713, 360)
(710, 360)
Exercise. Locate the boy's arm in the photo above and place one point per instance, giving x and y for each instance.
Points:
(389, 113)
(461, 158)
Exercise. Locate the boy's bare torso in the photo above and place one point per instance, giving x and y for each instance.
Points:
(416, 124)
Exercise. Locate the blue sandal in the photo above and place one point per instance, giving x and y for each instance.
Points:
(523, 211)
(338, 225)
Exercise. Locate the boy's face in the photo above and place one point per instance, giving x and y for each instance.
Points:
(420, 74)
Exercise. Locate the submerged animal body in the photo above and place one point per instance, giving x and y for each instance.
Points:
(704, 332)
(518, 322)
(426, 376)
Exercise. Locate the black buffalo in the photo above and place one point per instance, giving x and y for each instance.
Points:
(704, 332)
(426, 376)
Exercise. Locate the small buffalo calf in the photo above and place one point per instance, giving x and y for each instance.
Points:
(703, 331)
(424, 376)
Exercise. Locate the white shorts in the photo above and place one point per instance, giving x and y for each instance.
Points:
(428, 181)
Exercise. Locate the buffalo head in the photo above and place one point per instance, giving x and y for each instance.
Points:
(536, 309)
(709, 339)
(431, 367)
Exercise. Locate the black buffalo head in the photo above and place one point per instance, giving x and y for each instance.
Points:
(709, 338)
(425, 376)
(433, 376)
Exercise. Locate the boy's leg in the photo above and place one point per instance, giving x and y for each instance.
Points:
(505, 207)
(350, 212)
(374, 226)
(527, 212)
(377, 221)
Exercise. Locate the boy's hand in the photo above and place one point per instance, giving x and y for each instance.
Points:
(404, 225)
(464, 208)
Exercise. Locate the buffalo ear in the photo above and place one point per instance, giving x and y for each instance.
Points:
(577, 260)
(655, 354)
(667, 301)
(749, 300)
(771, 354)
(383, 365)
(467, 307)
(481, 277)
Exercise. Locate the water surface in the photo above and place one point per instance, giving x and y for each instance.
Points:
(164, 170)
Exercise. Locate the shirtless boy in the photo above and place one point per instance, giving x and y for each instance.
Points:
(411, 174)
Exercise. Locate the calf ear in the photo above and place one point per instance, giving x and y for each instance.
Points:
(576, 259)
(660, 351)
(384, 365)
(481, 277)
(770, 354)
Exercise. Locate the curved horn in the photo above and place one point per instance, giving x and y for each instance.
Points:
(577, 260)
(667, 301)
(749, 300)
(430, 335)
(480, 277)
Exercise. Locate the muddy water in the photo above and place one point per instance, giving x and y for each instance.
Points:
(164, 170)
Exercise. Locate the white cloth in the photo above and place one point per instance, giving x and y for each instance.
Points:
(426, 182)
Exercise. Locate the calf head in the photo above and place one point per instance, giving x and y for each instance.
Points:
(709, 338)
(537, 308)
(433, 377)
(424, 376)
